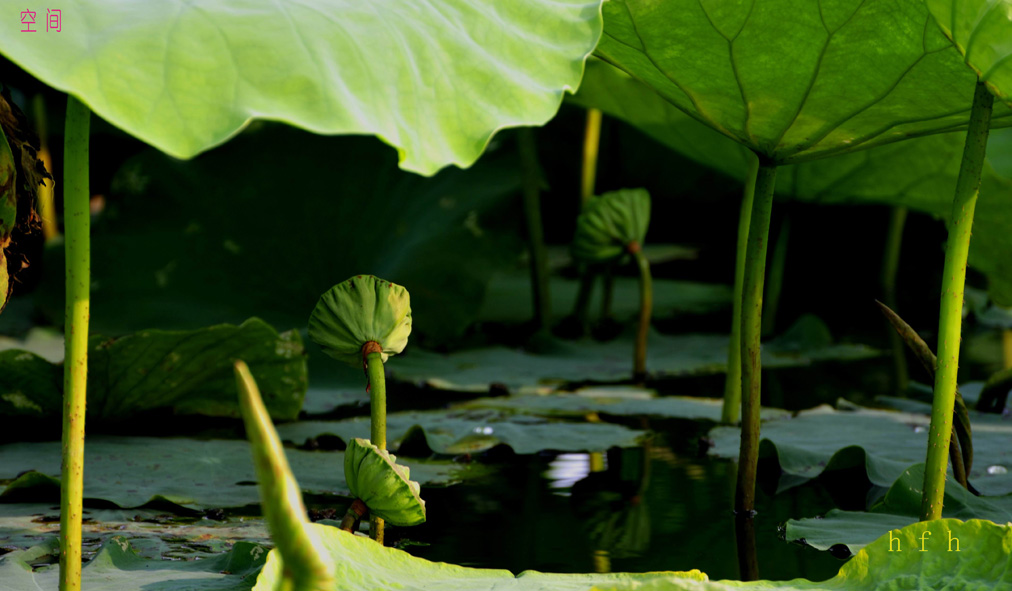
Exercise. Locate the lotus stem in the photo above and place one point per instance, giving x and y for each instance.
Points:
(373, 358)
(356, 512)
(646, 306)
(890, 267)
(950, 316)
(1006, 348)
(535, 231)
(776, 281)
(732, 387)
(751, 365)
(591, 144)
(77, 220)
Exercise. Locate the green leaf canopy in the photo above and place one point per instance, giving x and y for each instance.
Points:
(796, 81)
(434, 80)
(982, 31)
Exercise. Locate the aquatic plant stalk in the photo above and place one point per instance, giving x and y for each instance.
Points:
(77, 221)
(950, 316)
(890, 267)
(776, 278)
(591, 146)
(1006, 348)
(535, 231)
(646, 307)
(378, 415)
(732, 387)
(284, 510)
(751, 366)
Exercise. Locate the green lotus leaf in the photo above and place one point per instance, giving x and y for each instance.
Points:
(982, 31)
(360, 310)
(612, 224)
(797, 81)
(376, 479)
(434, 80)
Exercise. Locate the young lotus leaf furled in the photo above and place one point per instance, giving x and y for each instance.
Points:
(610, 227)
(363, 309)
(365, 320)
(381, 485)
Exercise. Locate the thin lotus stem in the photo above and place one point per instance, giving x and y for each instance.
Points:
(890, 266)
(378, 410)
(591, 144)
(732, 387)
(47, 202)
(646, 307)
(1006, 347)
(77, 219)
(950, 317)
(535, 231)
(751, 323)
(280, 496)
(776, 281)
(356, 512)
(607, 291)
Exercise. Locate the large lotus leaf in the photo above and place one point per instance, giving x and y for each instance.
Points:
(178, 246)
(118, 567)
(386, 488)
(360, 310)
(983, 562)
(796, 81)
(508, 298)
(474, 431)
(919, 174)
(616, 401)
(474, 370)
(884, 442)
(187, 372)
(612, 224)
(434, 81)
(980, 30)
(900, 507)
(132, 471)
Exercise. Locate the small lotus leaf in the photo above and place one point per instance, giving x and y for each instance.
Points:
(362, 309)
(610, 223)
(374, 477)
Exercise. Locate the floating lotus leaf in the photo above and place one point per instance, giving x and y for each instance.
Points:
(610, 223)
(374, 477)
(362, 309)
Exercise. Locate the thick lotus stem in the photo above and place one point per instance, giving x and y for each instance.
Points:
(591, 143)
(535, 231)
(372, 356)
(957, 249)
(356, 512)
(732, 387)
(751, 366)
(646, 307)
(890, 266)
(77, 220)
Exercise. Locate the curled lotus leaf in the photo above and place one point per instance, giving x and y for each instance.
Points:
(374, 477)
(360, 310)
(610, 224)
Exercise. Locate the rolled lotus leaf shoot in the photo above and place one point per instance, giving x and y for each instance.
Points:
(374, 477)
(360, 310)
(611, 224)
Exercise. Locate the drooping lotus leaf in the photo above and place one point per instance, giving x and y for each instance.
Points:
(919, 173)
(900, 507)
(187, 372)
(884, 443)
(360, 310)
(280, 496)
(611, 224)
(458, 431)
(980, 30)
(195, 474)
(983, 562)
(434, 81)
(384, 486)
(796, 81)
